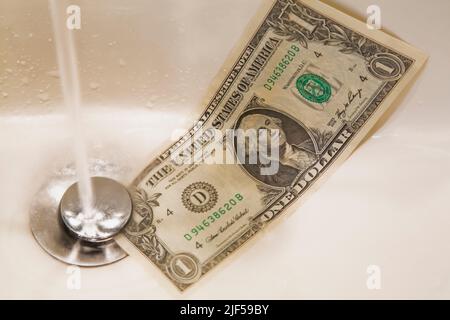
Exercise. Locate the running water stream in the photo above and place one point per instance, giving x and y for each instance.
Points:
(70, 82)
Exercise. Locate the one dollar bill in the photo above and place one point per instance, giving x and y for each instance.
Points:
(318, 76)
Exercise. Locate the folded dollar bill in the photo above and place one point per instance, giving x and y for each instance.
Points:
(316, 80)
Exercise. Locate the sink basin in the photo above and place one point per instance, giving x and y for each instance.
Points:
(145, 68)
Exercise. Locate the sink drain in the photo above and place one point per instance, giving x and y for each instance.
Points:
(58, 224)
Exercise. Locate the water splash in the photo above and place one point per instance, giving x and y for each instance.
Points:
(69, 77)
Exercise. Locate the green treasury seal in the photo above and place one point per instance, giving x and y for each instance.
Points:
(314, 88)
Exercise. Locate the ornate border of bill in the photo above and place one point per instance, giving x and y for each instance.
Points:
(321, 77)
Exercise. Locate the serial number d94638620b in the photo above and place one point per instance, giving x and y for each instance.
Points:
(214, 217)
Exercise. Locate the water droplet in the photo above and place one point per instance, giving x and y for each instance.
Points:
(25, 81)
(122, 63)
(53, 73)
(43, 97)
(30, 35)
(94, 85)
(5, 94)
(50, 40)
